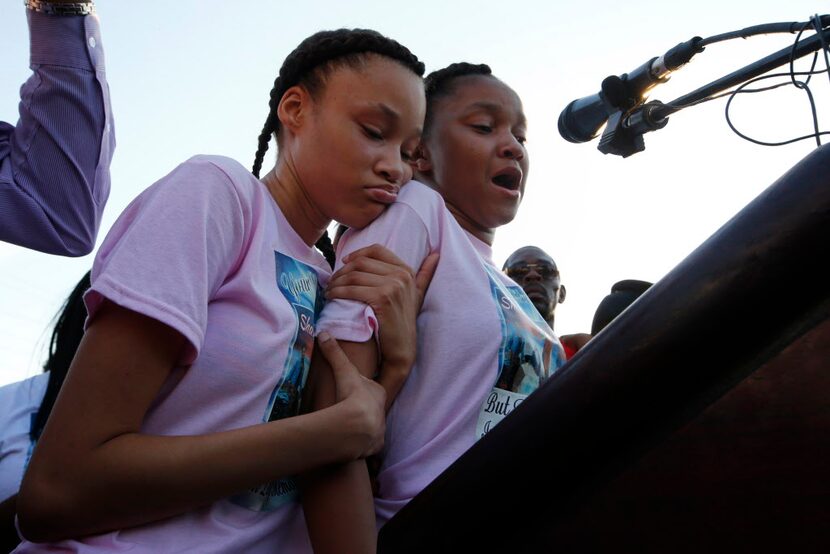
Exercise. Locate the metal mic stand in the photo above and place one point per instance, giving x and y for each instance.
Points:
(623, 135)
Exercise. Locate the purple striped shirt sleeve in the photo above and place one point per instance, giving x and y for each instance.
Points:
(54, 164)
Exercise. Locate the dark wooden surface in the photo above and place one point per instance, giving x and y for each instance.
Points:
(749, 474)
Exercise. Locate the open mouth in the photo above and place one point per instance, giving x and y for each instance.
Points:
(510, 179)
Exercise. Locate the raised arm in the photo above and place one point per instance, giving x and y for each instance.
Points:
(54, 163)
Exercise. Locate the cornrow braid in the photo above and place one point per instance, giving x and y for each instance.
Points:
(310, 63)
(439, 83)
(315, 58)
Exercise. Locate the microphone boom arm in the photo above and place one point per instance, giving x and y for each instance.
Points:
(623, 135)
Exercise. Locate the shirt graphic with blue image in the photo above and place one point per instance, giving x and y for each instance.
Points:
(297, 282)
(529, 353)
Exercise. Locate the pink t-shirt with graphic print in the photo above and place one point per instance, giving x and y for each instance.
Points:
(482, 346)
(207, 251)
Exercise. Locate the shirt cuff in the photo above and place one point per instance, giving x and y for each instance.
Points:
(350, 326)
(65, 40)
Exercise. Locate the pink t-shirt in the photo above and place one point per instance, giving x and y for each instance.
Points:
(482, 346)
(207, 251)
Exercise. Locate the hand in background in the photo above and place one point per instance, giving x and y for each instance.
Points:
(574, 342)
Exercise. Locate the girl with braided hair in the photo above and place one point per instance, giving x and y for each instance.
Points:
(172, 431)
(475, 323)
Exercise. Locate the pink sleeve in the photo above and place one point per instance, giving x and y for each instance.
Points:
(171, 249)
(401, 229)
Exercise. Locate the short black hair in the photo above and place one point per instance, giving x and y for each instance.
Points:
(623, 294)
(440, 83)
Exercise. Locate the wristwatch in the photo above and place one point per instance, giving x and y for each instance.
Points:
(61, 8)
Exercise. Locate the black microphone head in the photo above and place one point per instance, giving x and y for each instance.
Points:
(582, 119)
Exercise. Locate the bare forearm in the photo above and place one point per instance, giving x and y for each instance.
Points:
(134, 479)
(339, 509)
(393, 375)
(337, 500)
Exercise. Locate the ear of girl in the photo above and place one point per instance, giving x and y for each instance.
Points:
(482, 346)
(173, 424)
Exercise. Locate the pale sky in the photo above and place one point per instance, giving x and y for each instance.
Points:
(193, 76)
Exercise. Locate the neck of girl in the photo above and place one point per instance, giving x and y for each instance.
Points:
(484, 234)
(295, 203)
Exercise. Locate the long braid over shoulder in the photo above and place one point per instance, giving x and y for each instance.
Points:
(310, 63)
(439, 83)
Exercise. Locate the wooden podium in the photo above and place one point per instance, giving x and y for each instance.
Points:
(698, 421)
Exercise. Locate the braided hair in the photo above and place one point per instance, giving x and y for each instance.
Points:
(309, 65)
(66, 336)
(439, 84)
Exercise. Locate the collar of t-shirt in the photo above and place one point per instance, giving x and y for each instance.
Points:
(484, 250)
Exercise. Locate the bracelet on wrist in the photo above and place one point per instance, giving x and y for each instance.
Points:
(60, 8)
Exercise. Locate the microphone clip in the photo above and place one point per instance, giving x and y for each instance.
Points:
(623, 135)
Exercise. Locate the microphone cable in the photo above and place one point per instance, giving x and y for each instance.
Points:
(816, 23)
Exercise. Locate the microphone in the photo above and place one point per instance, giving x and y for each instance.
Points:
(582, 119)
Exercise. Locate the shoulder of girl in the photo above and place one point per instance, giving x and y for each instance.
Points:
(208, 176)
(421, 197)
(221, 168)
